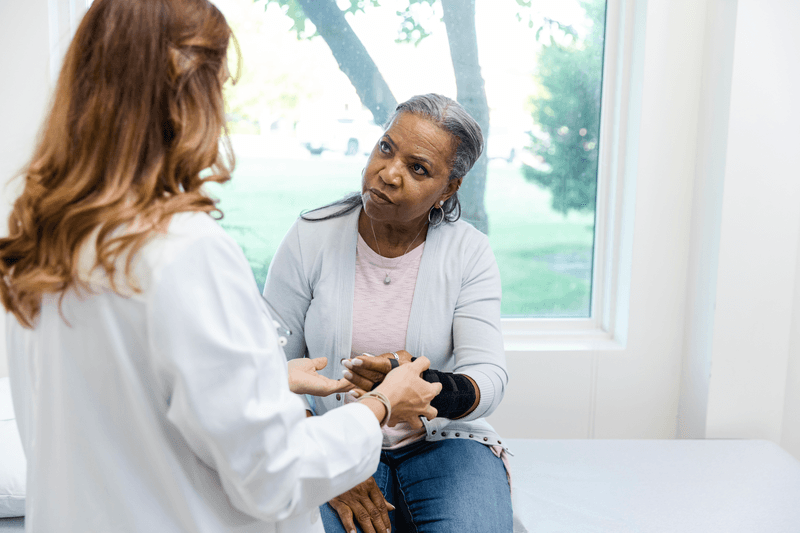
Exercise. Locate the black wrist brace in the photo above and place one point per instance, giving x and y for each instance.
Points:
(457, 395)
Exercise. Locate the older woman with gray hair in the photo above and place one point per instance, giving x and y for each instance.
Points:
(392, 271)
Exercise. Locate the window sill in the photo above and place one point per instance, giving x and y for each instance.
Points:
(537, 337)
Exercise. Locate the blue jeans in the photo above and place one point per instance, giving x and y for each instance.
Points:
(452, 485)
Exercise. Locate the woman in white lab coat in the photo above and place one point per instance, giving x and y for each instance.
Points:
(147, 376)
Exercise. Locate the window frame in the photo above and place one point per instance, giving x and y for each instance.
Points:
(606, 327)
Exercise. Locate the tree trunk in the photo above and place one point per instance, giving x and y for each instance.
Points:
(352, 57)
(459, 19)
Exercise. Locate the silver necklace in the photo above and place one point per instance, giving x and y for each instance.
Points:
(387, 280)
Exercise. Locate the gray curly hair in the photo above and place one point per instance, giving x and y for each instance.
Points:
(452, 118)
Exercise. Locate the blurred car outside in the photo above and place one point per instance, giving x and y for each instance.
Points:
(510, 141)
(350, 133)
(509, 136)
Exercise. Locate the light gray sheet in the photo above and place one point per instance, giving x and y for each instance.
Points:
(646, 486)
(669, 486)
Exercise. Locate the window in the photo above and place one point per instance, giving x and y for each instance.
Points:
(306, 110)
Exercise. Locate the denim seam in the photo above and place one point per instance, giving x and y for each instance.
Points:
(385, 487)
(405, 502)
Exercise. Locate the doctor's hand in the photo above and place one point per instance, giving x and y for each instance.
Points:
(364, 503)
(409, 394)
(304, 379)
(366, 371)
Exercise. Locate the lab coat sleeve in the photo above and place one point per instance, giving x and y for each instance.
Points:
(477, 335)
(212, 337)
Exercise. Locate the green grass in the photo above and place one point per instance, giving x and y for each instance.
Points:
(531, 288)
(543, 256)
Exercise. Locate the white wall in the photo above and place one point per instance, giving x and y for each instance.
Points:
(758, 248)
(24, 92)
(760, 223)
(741, 373)
(712, 142)
(790, 439)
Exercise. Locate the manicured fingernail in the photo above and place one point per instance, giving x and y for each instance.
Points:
(347, 363)
(347, 374)
(356, 362)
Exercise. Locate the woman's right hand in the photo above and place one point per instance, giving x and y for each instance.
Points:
(409, 394)
(366, 371)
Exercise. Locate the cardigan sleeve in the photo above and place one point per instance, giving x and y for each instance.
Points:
(288, 291)
(477, 335)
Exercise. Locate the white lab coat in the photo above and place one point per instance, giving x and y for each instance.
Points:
(169, 410)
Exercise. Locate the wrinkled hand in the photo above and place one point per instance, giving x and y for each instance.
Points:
(366, 504)
(304, 379)
(365, 371)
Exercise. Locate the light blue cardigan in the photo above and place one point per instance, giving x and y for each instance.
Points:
(455, 312)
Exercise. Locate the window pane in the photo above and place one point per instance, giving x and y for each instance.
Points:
(305, 114)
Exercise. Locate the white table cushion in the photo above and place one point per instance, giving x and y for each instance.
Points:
(12, 458)
(644, 486)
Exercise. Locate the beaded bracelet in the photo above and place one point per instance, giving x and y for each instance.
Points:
(384, 400)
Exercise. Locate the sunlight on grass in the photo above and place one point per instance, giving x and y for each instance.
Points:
(544, 257)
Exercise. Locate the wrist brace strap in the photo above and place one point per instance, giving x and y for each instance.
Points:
(457, 395)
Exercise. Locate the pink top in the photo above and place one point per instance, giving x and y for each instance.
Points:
(380, 321)
(380, 315)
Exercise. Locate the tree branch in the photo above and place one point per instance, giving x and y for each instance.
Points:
(352, 57)
(459, 20)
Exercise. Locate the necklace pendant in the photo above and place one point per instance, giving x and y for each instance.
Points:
(387, 280)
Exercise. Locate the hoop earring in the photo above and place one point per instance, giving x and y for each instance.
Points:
(440, 216)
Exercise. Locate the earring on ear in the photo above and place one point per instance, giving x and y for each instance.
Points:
(439, 214)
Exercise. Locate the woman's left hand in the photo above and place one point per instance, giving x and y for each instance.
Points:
(367, 371)
(304, 379)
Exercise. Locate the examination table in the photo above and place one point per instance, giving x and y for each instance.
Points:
(647, 486)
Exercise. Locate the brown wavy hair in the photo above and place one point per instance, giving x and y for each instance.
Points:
(137, 114)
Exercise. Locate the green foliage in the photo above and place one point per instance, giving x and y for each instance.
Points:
(358, 5)
(550, 24)
(567, 110)
(293, 10)
(411, 29)
(269, 86)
